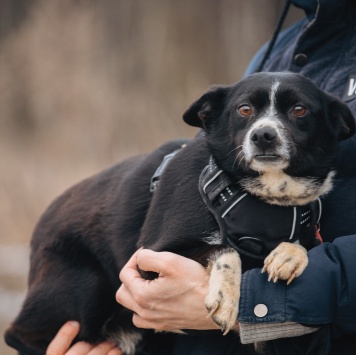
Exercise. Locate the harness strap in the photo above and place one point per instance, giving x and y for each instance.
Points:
(159, 171)
(250, 225)
(275, 35)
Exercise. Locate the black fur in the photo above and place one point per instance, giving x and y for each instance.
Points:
(87, 235)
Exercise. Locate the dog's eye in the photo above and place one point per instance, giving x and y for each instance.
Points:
(299, 111)
(245, 110)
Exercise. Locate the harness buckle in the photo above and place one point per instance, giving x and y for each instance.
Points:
(159, 171)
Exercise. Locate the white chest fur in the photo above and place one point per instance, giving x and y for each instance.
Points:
(278, 188)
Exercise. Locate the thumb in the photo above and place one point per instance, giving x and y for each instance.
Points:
(162, 263)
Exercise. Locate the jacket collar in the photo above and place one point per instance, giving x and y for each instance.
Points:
(309, 6)
(322, 11)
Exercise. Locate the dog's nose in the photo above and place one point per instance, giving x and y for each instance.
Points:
(263, 136)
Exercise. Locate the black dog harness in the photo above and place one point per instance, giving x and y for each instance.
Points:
(247, 223)
(252, 226)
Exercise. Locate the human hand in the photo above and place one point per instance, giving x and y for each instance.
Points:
(60, 345)
(175, 300)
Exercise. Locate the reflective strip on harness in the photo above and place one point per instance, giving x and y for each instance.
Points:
(250, 225)
(233, 204)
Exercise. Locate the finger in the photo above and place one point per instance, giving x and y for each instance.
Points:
(102, 348)
(162, 263)
(166, 263)
(132, 279)
(140, 322)
(80, 348)
(115, 351)
(124, 297)
(130, 271)
(135, 286)
(62, 341)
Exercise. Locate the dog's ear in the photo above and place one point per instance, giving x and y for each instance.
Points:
(343, 119)
(202, 111)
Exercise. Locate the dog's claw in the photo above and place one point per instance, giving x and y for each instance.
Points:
(292, 277)
(271, 276)
(223, 328)
(213, 308)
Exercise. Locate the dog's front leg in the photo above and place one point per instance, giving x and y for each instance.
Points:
(223, 297)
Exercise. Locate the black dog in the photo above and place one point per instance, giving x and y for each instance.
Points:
(268, 143)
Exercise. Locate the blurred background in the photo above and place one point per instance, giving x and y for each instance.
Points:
(85, 83)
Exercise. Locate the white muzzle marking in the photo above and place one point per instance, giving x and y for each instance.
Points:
(281, 149)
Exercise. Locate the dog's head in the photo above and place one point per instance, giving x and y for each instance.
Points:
(277, 133)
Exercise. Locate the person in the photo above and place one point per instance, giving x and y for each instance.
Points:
(320, 304)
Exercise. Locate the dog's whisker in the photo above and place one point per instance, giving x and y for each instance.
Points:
(238, 155)
(235, 160)
(233, 150)
(241, 161)
(242, 158)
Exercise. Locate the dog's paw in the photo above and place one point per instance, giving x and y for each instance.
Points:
(222, 300)
(223, 309)
(286, 262)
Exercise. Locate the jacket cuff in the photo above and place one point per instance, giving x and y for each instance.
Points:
(251, 333)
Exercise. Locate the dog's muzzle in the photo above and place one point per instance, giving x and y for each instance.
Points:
(266, 145)
(265, 142)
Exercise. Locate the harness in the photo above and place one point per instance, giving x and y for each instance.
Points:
(247, 223)
(252, 226)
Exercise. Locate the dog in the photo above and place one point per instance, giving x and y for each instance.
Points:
(269, 142)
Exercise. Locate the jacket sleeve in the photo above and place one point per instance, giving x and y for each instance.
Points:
(324, 293)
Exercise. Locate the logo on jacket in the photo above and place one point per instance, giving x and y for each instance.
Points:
(351, 88)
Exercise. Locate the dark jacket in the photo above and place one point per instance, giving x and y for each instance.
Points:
(322, 47)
